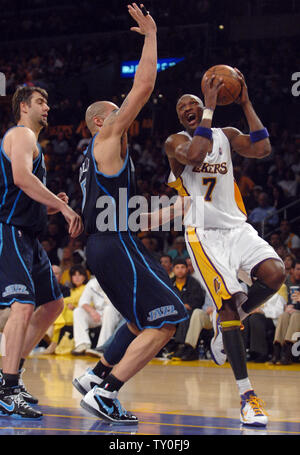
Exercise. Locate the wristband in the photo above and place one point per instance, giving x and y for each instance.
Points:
(207, 114)
(258, 135)
(204, 132)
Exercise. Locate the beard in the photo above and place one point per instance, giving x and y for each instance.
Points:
(43, 122)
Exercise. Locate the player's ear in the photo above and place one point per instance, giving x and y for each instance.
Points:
(98, 121)
(23, 107)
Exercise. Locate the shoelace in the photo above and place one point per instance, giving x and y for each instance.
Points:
(257, 405)
(19, 400)
(122, 411)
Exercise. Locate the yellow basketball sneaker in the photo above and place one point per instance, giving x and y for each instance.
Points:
(252, 411)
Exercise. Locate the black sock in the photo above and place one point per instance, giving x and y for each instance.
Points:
(10, 380)
(101, 370)
(21, 364)
(236, 353)
(111, 383)
(257, 295)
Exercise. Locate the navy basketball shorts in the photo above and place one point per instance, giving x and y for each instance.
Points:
(136, 284)
(25, 271)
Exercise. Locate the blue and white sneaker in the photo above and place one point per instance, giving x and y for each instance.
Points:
(12, 404)
(86, 382)
(104, 404)
(252, 411)
(26, 395)
(216, 345)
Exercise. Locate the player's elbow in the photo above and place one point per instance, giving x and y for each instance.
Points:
(263, 150)
(20, 179)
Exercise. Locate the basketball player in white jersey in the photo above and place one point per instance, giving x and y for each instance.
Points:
(220, 242)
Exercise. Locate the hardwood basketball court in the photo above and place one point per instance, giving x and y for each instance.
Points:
(169, 397)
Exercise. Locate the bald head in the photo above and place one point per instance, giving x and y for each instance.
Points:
(96, 114)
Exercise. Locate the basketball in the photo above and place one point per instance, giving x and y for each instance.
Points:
(232, 86)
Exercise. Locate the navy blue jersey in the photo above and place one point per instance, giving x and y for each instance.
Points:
(105, 197)
(16, 208)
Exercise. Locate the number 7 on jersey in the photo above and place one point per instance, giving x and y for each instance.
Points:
(211, 182)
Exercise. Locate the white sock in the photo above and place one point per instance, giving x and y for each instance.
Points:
(244, 385)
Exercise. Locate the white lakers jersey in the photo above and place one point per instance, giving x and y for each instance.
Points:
(216, 199)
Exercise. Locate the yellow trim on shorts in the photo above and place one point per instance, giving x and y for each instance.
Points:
(214, 281)
(179, 187)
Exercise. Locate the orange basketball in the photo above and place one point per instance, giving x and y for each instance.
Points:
(232, 86)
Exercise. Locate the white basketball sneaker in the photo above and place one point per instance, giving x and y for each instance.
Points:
(216, 345)
(104, 404)
(252, 411)
(86, 382)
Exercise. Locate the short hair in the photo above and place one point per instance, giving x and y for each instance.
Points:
(179, 261)
(167, 256)
(23, 94)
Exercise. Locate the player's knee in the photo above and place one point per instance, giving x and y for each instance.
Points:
(22, 311)
(272, 274)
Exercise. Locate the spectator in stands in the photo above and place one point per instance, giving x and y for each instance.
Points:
(94, 310)
(200, 320)
(191, 294)
(279, 198)
(244, 182)
(60, 144)
(151, 244)
(288, 238)
(259, 326)
(288, 322)
(166, 262)
(79, 279)
(65, 290)
(51, 250)
(289, 183)
(263, 213)
(179, 250)
(66, 264)
(275, 240)
(289, 263)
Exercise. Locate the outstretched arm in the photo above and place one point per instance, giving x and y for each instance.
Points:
(145, 77)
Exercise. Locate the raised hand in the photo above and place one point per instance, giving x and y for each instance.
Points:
(212, 86)
(146, 23)
(244, 97)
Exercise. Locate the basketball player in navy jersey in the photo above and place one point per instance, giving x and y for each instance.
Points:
(136, 284)
(27, 284)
